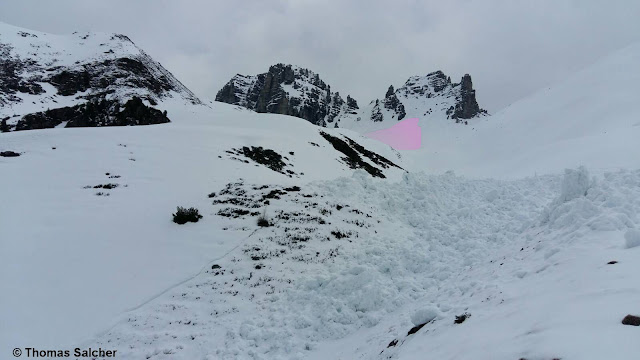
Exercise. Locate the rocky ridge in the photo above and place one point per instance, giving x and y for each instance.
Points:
(291, 90)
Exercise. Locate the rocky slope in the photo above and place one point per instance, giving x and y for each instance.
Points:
(288, 90)
(47, 78)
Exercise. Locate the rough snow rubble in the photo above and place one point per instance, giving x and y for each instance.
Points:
(409, 243)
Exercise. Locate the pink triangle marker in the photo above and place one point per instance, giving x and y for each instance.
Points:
(405, 135)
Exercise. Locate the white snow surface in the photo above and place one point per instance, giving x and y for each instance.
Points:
(590, 118)
(351, 263)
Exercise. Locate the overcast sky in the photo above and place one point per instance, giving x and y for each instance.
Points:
(511, 48)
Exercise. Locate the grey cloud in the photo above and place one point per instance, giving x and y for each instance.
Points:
(511, 48)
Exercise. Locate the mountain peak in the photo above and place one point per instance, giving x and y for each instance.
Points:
(289, 90)
(40, 71)
(293, 90)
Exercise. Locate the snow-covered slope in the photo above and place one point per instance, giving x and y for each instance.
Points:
(77, 254)
(591, 118)
(41, 73)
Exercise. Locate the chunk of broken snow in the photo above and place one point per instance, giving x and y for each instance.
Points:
(632, 237)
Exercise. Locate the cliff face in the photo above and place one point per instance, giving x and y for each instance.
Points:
(288, 90)
(47, 80)
(466, 104)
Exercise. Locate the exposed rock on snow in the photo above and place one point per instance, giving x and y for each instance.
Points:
(266, 157)
(95, 112)
(461, 318)
(631, 320)
(353, 151)
(9, 154)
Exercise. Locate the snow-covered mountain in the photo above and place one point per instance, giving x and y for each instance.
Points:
(369, 253)
(430, 97)
(291, 90)
(78, 80)
(288, 90)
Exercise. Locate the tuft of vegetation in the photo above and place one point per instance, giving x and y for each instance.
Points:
(211, 195)
(183, 215)
(263, 221)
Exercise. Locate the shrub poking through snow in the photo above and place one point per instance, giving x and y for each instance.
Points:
(183, 215)
(263, 221)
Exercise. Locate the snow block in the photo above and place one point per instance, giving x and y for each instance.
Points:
(424, 315)
(574, 184)
(632, 238)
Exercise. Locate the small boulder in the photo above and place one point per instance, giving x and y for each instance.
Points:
(9, 154)
(631, 320)
(415, 329)
(461, 318)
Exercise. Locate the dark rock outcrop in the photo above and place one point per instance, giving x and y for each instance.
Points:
(11, 82)
(466, 104)
(631, 320)
(287, 90)
(353, 155)
(432, 95)
(392, 102)
(97, 112)
(9, 154)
